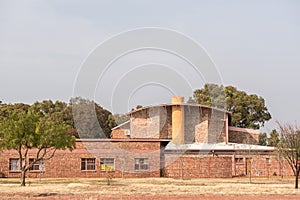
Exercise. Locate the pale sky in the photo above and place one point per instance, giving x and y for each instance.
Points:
(254, 44)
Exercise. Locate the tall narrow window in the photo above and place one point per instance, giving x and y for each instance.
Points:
(14, 164)
(141, 164)
(107, 164)
(88, 163)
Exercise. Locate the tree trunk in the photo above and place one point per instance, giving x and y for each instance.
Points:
(297, 178)
(23, 176)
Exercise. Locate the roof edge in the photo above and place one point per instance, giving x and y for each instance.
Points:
(178, 104)
(120, 125)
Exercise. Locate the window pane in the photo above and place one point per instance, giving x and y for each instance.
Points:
(88, 164)
(83, 167)
(141, 164)
(107, 164)
(37, 166)
(14, 164)
(91, 164)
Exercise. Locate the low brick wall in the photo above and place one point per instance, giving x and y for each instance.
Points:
(190, 166)
(260, 165)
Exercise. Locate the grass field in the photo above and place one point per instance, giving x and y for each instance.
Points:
(97, 188)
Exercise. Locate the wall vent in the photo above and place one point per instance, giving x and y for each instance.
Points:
(127, 132)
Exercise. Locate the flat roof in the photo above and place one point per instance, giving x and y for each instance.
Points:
(218, 146)
(122, 140)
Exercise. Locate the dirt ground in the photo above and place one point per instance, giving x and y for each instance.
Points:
(151, 188)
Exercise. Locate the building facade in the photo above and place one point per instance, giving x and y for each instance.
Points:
(174, 140)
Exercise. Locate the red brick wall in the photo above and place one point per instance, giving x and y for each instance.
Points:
(259, 166)
(119, 133)
(66, 164)
(145, 123)
(189, 166)
(166, 123)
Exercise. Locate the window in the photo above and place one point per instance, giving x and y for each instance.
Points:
(141, 164)
(14, 164)
(36, 166)
(88, 163)
(268, 160)
(107, 164)
(239, 160)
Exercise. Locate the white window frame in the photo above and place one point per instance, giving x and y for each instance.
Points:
(137, 162)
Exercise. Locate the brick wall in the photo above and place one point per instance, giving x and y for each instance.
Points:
(120, 131)
(243, 136)
(66, 164)
(145, 123)
(216, 127)
(201, 132)
(209, 127)
(260, 165)
(192, 117)
(201, 124)
(194, 166)
(166, 123)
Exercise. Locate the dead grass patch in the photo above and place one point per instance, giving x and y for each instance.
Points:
(150, 186)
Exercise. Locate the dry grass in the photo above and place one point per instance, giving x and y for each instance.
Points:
(149, 186)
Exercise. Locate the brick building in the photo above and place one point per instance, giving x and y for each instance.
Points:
(171, 140)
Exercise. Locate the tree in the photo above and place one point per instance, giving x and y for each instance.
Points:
(24, 131)
(90, 119)
(248, 111)
(6, 109)
(273, 140)
(289, 147)
(263, 139)
(191, 101)
(58, 110)
(137, 107)
(121, 118)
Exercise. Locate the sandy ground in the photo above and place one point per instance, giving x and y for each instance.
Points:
(151, 188)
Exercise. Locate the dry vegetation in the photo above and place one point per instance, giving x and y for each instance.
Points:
(148, 188)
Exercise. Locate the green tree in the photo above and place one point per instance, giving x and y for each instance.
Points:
(137, 107)
(273, 140)
(211, 95)
(6, 109)
(263, 139)
(90, 119)
(248, 111)
(191, 100)
(289, 147)
(24, 131)
(121, 118)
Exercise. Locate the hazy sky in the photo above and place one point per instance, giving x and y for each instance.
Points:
(254, 44)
